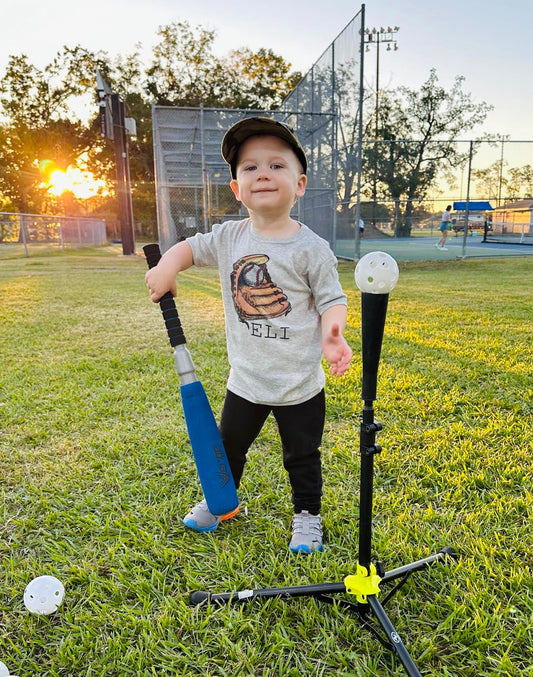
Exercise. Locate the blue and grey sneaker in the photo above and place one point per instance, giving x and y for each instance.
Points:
(306, 533)
(200, 519)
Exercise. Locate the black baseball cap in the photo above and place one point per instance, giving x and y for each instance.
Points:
(244, 129)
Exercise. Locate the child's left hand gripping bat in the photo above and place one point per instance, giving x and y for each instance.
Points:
(209, 454)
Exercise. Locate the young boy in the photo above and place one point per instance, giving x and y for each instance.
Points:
(284, 309)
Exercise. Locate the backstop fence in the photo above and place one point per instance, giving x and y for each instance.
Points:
(192, 179)
(397, 187)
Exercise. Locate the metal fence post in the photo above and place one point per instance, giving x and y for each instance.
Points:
(465, 232)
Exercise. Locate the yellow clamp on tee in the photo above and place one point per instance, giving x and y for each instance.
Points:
(362, 583)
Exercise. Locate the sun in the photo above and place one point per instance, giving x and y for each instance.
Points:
(81, 183)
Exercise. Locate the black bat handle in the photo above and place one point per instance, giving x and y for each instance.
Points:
(166, 302)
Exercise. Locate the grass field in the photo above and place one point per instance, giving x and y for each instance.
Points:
(96, 473)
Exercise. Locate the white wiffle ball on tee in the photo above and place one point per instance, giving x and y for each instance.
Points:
(376, 273)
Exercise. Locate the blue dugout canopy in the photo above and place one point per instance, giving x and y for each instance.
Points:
(473, 206)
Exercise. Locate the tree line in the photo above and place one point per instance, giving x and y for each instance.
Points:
(41, 119)
(40, 116)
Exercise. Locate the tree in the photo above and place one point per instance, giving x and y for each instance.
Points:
(520, 181)
(181, 73)
(416, 146)
(490, 181)
(347, 103)
(257, 80)
(39, 124)
(185, 72)
(39, 115)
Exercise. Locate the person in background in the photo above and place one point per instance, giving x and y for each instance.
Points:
(445, 226)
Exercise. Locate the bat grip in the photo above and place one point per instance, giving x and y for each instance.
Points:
(166, 302)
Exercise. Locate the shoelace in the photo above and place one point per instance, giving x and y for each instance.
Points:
(304, 523)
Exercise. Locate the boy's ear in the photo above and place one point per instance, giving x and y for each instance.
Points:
(235, 188)
(302, 183)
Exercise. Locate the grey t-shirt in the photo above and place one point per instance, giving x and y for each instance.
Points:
(274, 291)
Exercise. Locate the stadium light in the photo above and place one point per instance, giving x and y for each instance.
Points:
(373, 36)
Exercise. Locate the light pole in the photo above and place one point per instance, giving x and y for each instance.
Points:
(374, 36)
(503, 139)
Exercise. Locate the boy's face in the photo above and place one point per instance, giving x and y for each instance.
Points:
(269, 176)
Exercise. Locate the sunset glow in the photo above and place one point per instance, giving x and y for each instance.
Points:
(82, 184)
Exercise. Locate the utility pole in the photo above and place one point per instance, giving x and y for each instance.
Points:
(113, 127)
(123, 176)
(503, 139)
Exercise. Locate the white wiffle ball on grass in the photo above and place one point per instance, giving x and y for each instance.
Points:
(43, 595)
(4, 672)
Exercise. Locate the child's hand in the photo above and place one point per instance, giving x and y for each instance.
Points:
(159, 282)
(162, 278)
(336, 351)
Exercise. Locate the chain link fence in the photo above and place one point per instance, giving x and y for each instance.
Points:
(333, 86)
(32, 231)
(488, 183)
(396, 188)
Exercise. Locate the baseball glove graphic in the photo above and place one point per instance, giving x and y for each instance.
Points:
(254, 295)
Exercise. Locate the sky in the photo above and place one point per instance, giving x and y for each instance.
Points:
(487, 43)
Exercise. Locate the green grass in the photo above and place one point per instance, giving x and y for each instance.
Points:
(96, 472)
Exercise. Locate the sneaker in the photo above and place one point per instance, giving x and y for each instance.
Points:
(438, 245)
(306, 533)
(200, 519)
(444, 249)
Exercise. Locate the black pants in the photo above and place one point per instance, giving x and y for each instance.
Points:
(300, 428)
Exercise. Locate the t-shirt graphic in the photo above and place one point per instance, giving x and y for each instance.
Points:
(255, 296)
